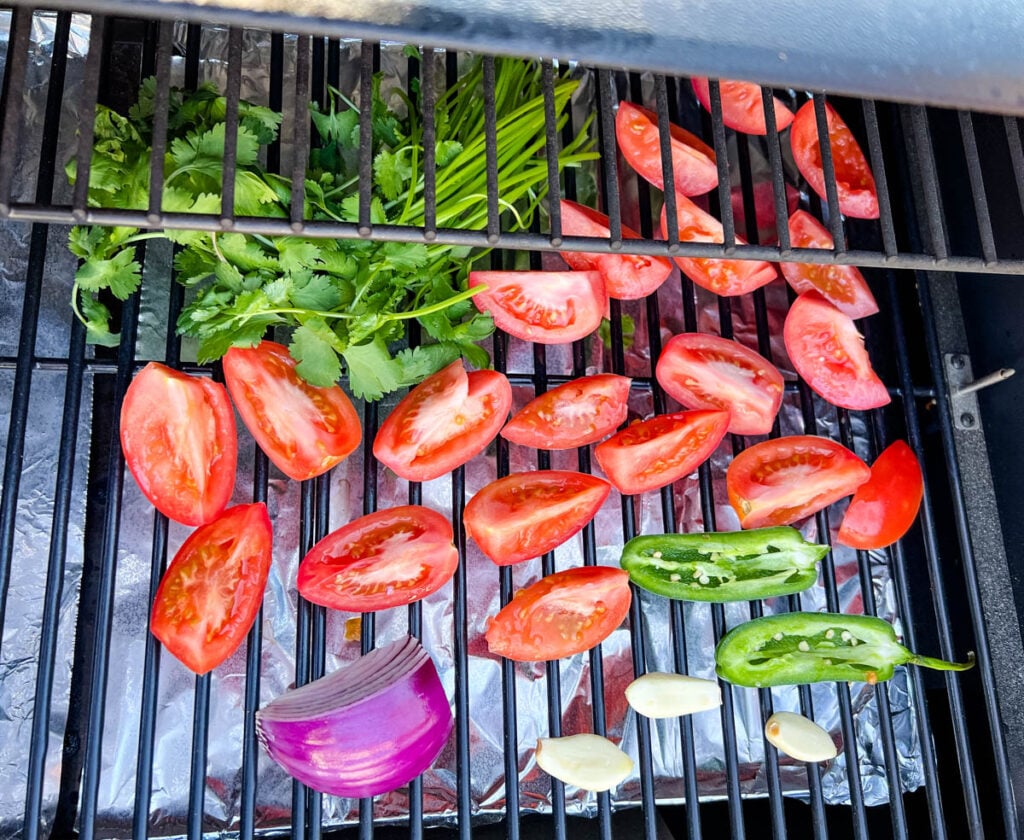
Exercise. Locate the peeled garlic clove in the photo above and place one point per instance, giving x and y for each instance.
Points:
(586, 761)
(658, 695)
(799, 737)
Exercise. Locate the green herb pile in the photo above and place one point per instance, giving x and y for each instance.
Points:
(346, 302)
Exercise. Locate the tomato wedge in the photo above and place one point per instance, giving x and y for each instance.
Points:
(655, 452)
(546, 307)
(525, 515)
(561, 614)
(693, 161)
(304, 430)
(179, 442)
(828, 352)
(777, 482)
(742, 106)
(210, 594)
(855, 185)
(885, 506)
(723, 277)
(443, 422)
(575, 414)
(381, 560)
(841, 285)
(626, 276)
(707, 371)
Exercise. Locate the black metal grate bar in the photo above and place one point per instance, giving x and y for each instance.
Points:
(929, 178)
(234, 87)
(367, 625)
(12, 100)
(161, 99)
(773, 142)
(365, 137)
(970, 142)
(428, 82)
(551, 150)
(722, 161)
(300, 137)
(877, 161)
(835, 218)
(491, 152)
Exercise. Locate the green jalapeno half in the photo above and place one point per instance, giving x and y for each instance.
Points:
(724, 566)
(797, 648)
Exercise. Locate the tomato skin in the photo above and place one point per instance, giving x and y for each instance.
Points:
(446, 420)
(723, 277)
(779, 481)
(382, 560)
(742, 106)
(560, 615)
(693, 161)
(829, 353)
(626, 276)
(855, 185)
(706, 371)
(304, 430)
(180, 443)
(655, 452)
(525, 515)
(841, 285)
(578, 413)
(886, 505)
(545, 307)
(211, 592)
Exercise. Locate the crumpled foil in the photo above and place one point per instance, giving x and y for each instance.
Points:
(173, 744)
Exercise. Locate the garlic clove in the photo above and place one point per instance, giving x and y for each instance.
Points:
(585, 761)
(799, 737)
(658, 695)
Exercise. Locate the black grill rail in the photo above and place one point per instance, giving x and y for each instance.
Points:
(968, 788)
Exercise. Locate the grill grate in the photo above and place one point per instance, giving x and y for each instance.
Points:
(962, 744)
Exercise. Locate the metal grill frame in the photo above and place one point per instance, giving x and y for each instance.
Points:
(922, 223)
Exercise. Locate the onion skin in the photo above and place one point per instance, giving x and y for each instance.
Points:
(372, 746)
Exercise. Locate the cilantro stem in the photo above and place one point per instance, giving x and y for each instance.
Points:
(440, 306)
(139, 237)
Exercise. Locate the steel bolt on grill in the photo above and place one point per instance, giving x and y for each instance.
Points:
(968, 734)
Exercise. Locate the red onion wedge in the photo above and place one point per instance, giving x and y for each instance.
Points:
(368, 728)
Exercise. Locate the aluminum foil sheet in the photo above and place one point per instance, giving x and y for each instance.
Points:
(174, 722)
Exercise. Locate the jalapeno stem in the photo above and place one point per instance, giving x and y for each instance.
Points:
(942, 664)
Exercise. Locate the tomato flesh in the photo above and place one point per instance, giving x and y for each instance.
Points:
(626, 276)
(829, 353)
(841, 285)
(742, 105)
(855, 185)
(525, 515)
(693, 162)
(723, 277)
(210, 594)
(446, 420)
(886, 505)
(382, 560)
(779, 481)
(707, 371)
(653, 453)
(575, 414)
(546, 307)
(179, 442)
(304, 430)
(561, 614)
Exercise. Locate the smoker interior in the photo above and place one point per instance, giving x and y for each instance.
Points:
(939, 172)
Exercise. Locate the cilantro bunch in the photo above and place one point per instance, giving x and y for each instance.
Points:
(345, 303)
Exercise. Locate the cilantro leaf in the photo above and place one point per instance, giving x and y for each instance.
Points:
(315, 347)
(420, 362)
(372, 372)
(121, 274)
(96, 317)
(445, 151)
(316, 291)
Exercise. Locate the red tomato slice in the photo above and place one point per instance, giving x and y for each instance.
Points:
(723, 277)
(693, 161)
(742, 106)
(304, 430)
(828, 352)
(179, 442)
(855, 184)
(575, 414)
(707, 371)
(443, 422)
(777, 482)
(210, 594)
(546, 307)
(841, 285)
(525, 515)
(626, 276)
(382, 560)
(561, 614)
(885, 506)
(653, 453)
